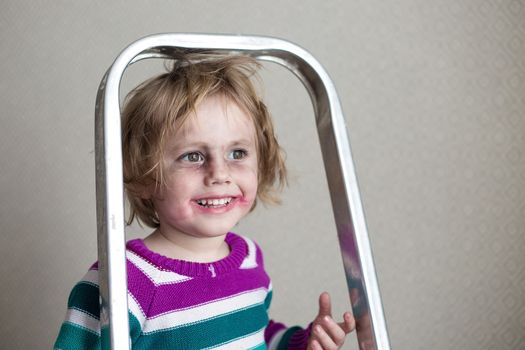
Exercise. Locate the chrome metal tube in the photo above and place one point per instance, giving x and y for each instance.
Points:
(342, 182)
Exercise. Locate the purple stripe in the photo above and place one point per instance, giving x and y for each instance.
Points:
(259, 256)
(204, 290)
(299, 340)
(271, 330)
(140, 286)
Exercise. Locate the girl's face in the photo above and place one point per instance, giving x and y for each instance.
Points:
(211, 171)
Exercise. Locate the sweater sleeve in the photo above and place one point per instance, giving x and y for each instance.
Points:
(81, 327)
(278, 336)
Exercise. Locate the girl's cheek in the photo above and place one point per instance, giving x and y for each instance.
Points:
(248, 199)
(245, 169)
(182, 213)
(175, 211)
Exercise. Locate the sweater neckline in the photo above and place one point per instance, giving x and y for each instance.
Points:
(238, 251)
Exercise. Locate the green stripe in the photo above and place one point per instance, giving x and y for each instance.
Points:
(134, 327)
(239, 338)
(261, 346)
(268, 300)
(72, 337)
(105, 338)
(283, 343)
(85, 297)
(208, 333)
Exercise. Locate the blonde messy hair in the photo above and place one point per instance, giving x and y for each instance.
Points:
(158, 107)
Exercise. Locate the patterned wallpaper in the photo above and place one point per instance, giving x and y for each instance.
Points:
(434, 96)
(442, 168)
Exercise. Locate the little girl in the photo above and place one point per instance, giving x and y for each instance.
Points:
(199, 150)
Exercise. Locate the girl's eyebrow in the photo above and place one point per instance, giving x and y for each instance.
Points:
(206, 145)
(192, 144)
(241, 142)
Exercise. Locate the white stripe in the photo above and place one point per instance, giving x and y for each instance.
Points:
(206, 311)
(83, 320)
(247, 342)
(135, 308)
(274, 342)
(91, 277)
(156, 275)
(250, 261)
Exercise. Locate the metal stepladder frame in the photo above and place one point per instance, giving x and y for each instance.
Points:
(346, 203)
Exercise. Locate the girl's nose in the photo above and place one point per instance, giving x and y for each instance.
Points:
(218, 172)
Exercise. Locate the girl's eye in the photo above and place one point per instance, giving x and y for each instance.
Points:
(237, 154)
(193, 157)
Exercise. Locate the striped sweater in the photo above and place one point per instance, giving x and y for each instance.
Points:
(176, 304)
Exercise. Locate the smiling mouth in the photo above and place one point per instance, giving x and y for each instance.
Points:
(214, 203)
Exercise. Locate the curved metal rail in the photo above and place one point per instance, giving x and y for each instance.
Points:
(342, 182)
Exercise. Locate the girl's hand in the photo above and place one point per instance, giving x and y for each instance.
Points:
(326, 333)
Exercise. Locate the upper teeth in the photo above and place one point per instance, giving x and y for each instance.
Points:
(221, 201)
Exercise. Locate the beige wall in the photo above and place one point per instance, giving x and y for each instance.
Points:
(434, 95)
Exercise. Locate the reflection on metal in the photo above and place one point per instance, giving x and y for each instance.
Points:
(346, 202)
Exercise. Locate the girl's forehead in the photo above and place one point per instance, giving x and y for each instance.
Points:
(216, 122)
(216, 113)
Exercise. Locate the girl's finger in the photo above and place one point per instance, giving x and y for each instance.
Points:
(348, 324)
(333, 330)
(323, 338)
(325, 305)
(314, 345)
